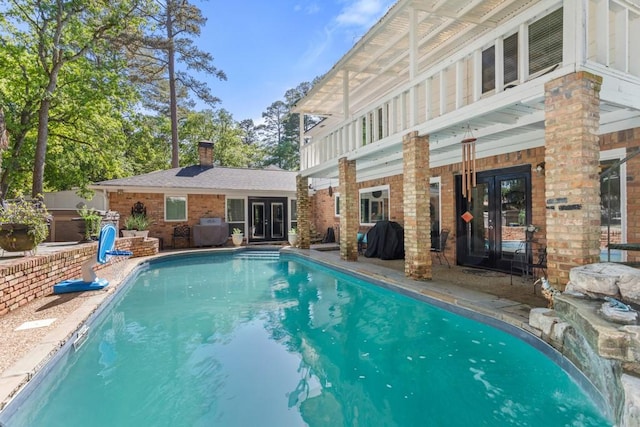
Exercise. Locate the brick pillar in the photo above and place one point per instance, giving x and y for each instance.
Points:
(417, 217)
(349, 208)
(572, 192)
(304, 212)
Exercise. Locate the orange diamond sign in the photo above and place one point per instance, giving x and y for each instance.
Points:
(467, 217)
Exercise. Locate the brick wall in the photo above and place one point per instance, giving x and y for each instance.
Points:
(349, 210)
(26, 279)
(417, 222)
(198, 205)
(572, 189)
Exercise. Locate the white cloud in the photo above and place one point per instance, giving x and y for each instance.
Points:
(310, 8)
(351, 22)
(362, 13)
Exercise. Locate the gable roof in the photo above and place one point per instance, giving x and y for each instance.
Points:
(204, 178)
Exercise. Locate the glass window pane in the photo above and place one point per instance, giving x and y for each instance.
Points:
(488, 69)
(374, 205)
(294, 214)
(434, 210)
(610, 209)
(175, 208)
(235, 210)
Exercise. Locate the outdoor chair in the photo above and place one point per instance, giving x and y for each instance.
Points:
(534, 265)
(440, 247)
(181, 233)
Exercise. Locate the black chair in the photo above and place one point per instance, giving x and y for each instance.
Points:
(440, 246)
(181, 233)
(530, 265)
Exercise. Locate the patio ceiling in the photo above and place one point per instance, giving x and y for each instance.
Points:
(380, 60)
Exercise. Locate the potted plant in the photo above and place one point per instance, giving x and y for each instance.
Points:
(237, 236)
(92, 221)
(136, 225)
(293, 236)
(24, 224)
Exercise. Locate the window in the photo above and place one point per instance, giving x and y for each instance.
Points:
(236, 214)
(511, 59)
(374, 204)
(434, 209)
(336, 204)
(613, 204)
(175, 208)
(545, 42)
(488, 69)
(294, 214)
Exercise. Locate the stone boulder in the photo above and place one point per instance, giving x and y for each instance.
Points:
(606, 279)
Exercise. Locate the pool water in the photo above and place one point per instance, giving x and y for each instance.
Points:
(244, 340)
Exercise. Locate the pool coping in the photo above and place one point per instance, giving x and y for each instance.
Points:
(472, 304)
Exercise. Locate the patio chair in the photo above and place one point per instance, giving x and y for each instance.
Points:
(440, 247)
(181, 233)
(534, 265)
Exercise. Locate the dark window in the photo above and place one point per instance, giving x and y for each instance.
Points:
(511, 59)
(545, 42)
(488, 69)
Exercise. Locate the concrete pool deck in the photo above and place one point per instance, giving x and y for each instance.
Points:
(35, 331)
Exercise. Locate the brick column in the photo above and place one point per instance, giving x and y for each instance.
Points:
(572, 192)
(349, 210)
(417, 217)
(304, 212)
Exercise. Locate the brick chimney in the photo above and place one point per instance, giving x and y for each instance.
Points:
(205, 154)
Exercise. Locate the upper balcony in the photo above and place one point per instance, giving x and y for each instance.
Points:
(441, 67)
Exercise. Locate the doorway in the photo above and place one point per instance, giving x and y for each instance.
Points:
(491, 227)
(267, 219)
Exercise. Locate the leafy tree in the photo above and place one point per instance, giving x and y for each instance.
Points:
(281, 130)
(168, 41)
(44, 39)
(226, 134)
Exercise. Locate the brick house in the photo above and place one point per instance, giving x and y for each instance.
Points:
(548, 89)
(260, 202)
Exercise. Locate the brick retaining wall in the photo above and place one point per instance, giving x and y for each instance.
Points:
(24, 279)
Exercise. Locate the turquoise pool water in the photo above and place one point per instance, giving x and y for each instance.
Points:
(262, 340)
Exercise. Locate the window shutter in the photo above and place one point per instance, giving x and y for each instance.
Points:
(511, 59)
(545, 42)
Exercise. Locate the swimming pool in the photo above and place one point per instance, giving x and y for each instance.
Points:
(262, 339)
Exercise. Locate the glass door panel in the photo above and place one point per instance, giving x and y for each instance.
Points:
(258, 220)
(479, 226)
(500, 207)
(277, 220)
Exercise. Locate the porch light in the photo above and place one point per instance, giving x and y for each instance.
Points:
(540, 168)
(468, 163)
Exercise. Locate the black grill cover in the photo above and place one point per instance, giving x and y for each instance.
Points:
(385, 241)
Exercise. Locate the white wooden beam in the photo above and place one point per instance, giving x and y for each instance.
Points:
(602, 32)
(345, 94)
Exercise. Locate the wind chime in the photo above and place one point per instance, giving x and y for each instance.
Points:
(468, 163)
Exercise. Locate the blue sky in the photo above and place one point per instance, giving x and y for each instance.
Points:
(269, 46)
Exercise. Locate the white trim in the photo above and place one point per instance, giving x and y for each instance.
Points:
(619, 154)
(371, 190)
(246, 213)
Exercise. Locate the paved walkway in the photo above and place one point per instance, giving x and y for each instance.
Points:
(31, 334)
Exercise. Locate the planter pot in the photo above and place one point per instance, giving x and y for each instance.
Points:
(129, 233)
(16, 238)
(141, 233)
(237, 239)
(293, 239)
